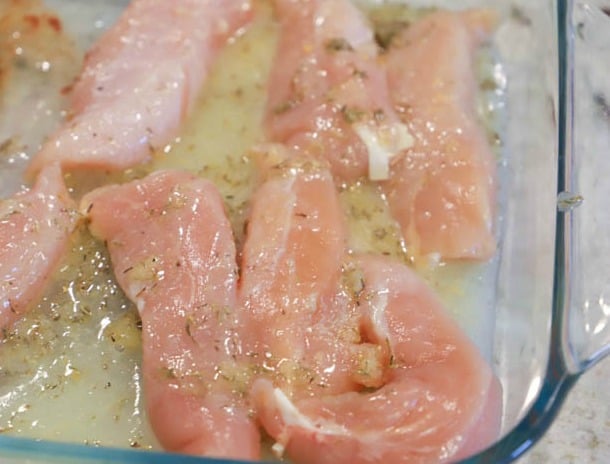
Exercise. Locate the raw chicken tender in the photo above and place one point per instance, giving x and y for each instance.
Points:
(173, 254)
(439, 402)
(35, 226)
(328, 93)
(442, 190)
(302, 330)
(140, 81)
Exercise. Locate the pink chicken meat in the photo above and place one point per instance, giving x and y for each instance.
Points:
(439, 401)
(173, 254)
(35, 226)
(300, 328)
(442, 190)
(328, 94)
(140, 80)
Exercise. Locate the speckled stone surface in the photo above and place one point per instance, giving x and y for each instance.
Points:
(581, 433)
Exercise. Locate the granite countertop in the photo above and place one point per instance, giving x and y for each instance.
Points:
(581, 432)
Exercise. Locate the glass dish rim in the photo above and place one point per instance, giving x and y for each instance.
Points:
(559, 377)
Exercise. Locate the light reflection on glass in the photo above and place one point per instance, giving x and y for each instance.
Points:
(534, 388)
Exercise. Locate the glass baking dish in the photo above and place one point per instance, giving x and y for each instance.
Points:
(551, 322)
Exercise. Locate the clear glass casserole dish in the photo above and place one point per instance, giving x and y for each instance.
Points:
(549, 318)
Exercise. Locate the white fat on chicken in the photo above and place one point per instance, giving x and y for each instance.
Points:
(383, 143)
(291, 416)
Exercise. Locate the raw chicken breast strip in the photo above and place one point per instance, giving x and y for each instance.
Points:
(442, 191)
(140, 81)
(303, 332)
(173, 254)
(440, 401)
(35, 226)
(328, 94)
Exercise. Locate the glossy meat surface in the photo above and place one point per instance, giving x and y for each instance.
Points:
(328, 93)
(301, 329)
(140, 81)
(35, 226)
(173, 254)
(439, 400)
(442, 190)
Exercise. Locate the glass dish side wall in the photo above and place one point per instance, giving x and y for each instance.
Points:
(528, 46)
